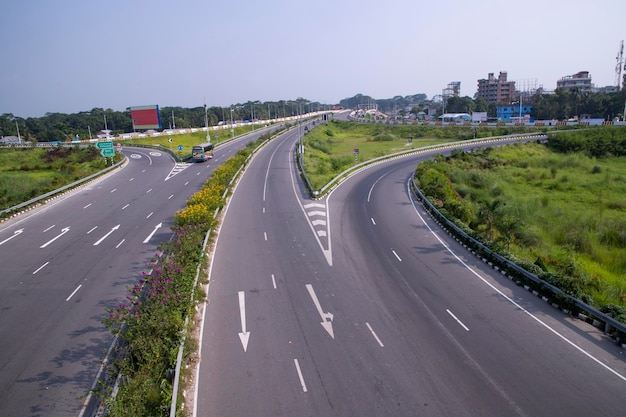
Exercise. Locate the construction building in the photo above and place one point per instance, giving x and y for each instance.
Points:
(496, 90)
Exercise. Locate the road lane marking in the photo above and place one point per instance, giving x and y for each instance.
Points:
(327, 318)
(374, 334)
(458, 321)
(373, 222)
(114, 190)
(126, 206)
(244, 335)
(63, 231)
(394, 252)
(157, 227)
(148, 190)
(87, 206)
(302, 383)
(49, 228)
(150, 215)
(92, 229)
(15, 234)
(40, 268)
(170, 197)
(74, 292)
(265, 235)
(107, 235)
(369, 194)
(510, 300)
(273, 281)
(120, 244)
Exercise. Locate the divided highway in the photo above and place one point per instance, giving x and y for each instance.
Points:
(356, 304)
(61, 265)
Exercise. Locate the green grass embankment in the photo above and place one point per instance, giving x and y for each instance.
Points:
(329, 148)
(26, 173)
(564, 213)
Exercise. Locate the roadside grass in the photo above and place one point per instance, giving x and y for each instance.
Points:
(187, 140)
(563, 212)
(331, 148)
(28, 172)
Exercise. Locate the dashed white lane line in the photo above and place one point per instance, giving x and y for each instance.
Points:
(302, 383)
(74, 292)
(458, 321)
(398, 257)
(40, 268)
(374, 334)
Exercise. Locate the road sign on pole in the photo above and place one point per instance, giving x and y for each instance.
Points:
(107, 152)
(104, 145)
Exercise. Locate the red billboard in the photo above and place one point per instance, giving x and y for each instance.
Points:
(145, 117)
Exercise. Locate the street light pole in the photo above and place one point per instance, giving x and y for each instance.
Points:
(206, 124)
(232, 126)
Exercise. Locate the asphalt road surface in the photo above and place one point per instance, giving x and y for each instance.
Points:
(63, 264)
(358, 305)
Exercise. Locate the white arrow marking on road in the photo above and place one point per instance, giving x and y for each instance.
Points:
(244, 336)
(327, 318)
(63, 231)
(157, 227)
(15, 234)
(107, 235)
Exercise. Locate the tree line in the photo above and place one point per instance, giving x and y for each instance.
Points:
(563, 104)
(87, 124)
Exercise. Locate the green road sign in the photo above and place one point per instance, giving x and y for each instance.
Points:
(107, 152)
(104, 145)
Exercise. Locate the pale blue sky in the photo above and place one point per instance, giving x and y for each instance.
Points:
(73, 55)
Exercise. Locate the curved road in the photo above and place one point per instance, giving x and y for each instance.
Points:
(61, 265)
(358, 305)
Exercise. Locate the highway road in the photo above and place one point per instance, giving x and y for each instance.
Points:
(358, 305)
(63, 264)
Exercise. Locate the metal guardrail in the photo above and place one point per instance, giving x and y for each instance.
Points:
(506, 263)
(509, 265)
(60, 190)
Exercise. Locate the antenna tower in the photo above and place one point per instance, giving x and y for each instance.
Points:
(619, 66)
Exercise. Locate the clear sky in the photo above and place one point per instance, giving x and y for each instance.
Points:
(73, 55)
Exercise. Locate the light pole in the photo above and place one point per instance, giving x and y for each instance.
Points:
(232, 126)
(206, 124)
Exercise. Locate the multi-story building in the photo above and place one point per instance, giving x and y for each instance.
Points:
(514, 112)
(496, 90)
(580, 80)
(452, 90)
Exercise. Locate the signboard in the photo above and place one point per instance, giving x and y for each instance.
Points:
(104, 145)
(145, 117)
(356, 151)
(180, 147)
(108, 152)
